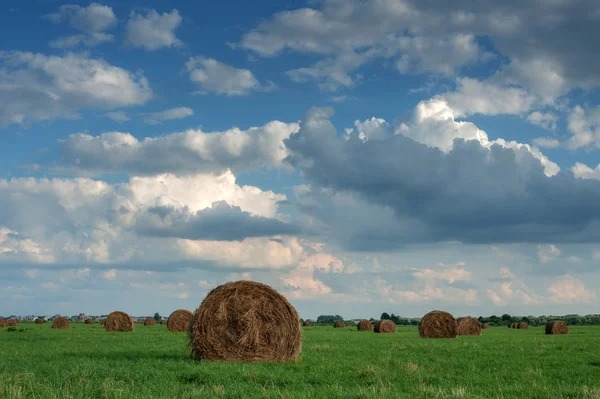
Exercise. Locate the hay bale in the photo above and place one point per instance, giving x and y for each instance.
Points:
(149, 321)
(307, 324)
(39, 321)
(180, 320)
(556, 327)
(522, 325)
(163, 323)
(2, 322)
(119, 321)
(485, 326)
(468, 326)
(438, 324)
(385, 327)
(339, 324)
(11, 323)
(62, 323)
(102, 322)
(89, 321)
(365, 325)
(245, 321)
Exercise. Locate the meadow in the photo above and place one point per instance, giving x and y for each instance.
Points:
(87, 362)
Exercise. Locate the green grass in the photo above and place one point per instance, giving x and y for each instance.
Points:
(87, 362)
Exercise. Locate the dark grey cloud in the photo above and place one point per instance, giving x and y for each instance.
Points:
(471, 194)
(222, 222)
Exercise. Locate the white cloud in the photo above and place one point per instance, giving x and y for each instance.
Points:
(168, 114)
(543, 120)
(374, 128)
(512, 292)
(583, 171)
(546, 142)
(547, 253)
(153, 30)
(447, 274)
(117, 116)
(584, 125)
(214, 76)
(110, 274)
(93, 20)
(36, 87)
(570, 290)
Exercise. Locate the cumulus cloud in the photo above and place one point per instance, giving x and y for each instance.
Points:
(155, 118)
(216, 77)
(188, 152)
(546, 142)
(36, 87)
(472, 193)
(570, 290)
(117, 116)
(543, 120)
(582, 171)
(584, 125)
(547, 253)
(93, 20)
(152, 30)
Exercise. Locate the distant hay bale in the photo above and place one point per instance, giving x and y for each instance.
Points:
(89, 321)
(245, 321)
(385, 327)
(39, 321)
(438, 324)
(307, 324)
(509, 326)
(61, 323)
(2, 322)
(513, 325)
(556, 327)
(102, 322)
(163, 323)
(485, 326)
(11, 323)
(365, 325)
(119, 322)
(468, 326)
(522, 325)
(149, 321)
(339, 324)
(180, 320)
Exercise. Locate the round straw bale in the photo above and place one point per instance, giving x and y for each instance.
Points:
(61, 322)
(385, 327)
(11, 323)
(468, 326)
(522, 325)
(339, 324)
(557, 327)
(245, 321)
(180, 320)
(89, 321)
(163, 323)
(39, 321)
(438, 324)
(485, 326)
(307, 324)
(149, 321)
(365, 325)
(119, 321)
(2, 322)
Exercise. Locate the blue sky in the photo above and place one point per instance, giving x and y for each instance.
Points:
(358, 156)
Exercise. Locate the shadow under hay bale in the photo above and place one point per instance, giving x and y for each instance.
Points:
(438, 324)
(61, 323)
(485, 326)
(385, 327)
(180, 321)
(365, 325)
(522, 325)
(119, 322)
(307, 324)
(556, 327)
(468, 326)
(339, 324)
(149, 322)
(245, 321)
(39, 321)
(89, 321)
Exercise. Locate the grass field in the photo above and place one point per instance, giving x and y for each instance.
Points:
(87, 362)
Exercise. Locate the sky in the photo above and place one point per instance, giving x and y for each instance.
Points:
(359, 156)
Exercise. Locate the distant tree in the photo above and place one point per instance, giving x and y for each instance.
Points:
(385, 316)
(328, 319)
(157, 317)
(506, 317)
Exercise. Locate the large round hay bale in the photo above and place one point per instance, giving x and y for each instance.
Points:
(39, 321)
(119, 321)
(365, 325)
(468, 326)
(522, 325)
(556, 327)
(11, 323)
(438, 324)
(485, 326)
(89, 321)
(61, 322)
(339, 324)
(149, 321)
(307, 324)
(245, 321)
(2, 322)
(180, 320)
(385, 327)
